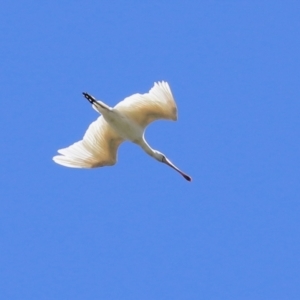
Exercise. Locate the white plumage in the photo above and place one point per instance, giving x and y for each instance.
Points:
(126, 121)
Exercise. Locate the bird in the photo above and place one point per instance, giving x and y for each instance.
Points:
(126, 121)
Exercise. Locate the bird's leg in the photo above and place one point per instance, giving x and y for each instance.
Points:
(96, 103)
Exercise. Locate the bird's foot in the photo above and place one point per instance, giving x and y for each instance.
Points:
(90, 98)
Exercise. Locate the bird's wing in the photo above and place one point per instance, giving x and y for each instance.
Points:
(98, 148)
(144, 109)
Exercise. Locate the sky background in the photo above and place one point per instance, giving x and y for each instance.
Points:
(138, 230)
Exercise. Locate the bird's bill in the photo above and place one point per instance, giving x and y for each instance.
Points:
(169, 163)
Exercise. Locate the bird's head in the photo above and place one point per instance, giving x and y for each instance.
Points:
(158, 156)
(162, 158)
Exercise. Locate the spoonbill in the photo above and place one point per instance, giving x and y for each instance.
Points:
(126, 121)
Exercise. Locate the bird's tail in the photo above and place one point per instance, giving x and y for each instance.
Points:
(96, 106)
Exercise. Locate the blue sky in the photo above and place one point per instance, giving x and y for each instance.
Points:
(138, 230)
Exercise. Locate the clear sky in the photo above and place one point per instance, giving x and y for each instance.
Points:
(138, 230)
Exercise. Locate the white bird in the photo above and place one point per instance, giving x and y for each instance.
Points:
(126, 121)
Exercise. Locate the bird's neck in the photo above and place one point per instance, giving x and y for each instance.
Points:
(146, 147)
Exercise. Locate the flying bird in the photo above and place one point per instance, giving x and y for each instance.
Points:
(126, 121)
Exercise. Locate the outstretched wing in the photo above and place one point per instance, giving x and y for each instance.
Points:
(144, 109)
(98, 148)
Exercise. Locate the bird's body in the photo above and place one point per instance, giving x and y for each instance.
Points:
(126, 121)
(124, 126)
